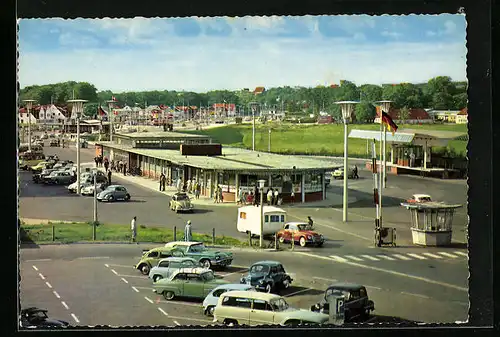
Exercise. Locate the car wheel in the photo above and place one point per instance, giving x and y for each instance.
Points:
(157, 277)
(111, 198)
(302, 241)
(269, 288)
(127, 197)
(206, 263)
(169, 295)
(230, 322)
(144, 269)
(281, 239)
(319, 244)
(210, 310)
(286, 283)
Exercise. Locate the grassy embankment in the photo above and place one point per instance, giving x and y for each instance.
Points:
(69, 232)
(314, 139)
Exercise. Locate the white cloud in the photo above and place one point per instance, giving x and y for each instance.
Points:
(77, 40)
(450, 27)
(430, 33)
(393, 35)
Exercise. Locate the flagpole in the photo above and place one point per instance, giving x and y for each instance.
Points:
(384, 169)
(382, 127)
(375, 188)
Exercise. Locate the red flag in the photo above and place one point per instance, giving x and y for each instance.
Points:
(113, 98)
(389, 123)
(100, 111)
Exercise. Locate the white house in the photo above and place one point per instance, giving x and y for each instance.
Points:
(24, 119)
(51, 115)
(415, 116)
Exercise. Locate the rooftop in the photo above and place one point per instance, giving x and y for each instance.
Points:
(408, 135)
(159, 135)
(236, 159)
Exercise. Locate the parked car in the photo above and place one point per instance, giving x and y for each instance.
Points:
(42, 165)
(113, 193)
(212, 298)
(151, 258)
(37, 318)
(167, 266)
(59, 178)
(181, 202)
(419, 198)
(255, 308)
(29, 159)
(268, 276)
(339, 173)
(301, 233)
(188, 282)
(357, 305)
(89, 188)
(206, 256)
(54, 143)
(39, 177)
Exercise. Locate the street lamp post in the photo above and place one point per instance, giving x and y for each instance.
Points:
(253, 107)
(77, 108)
(269, 146)
(347, 110)
(95, 195)
(111, 118)
(386, 106)
(29, 106)
(262, 182)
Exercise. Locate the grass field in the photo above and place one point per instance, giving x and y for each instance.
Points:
(81, 232)
(313, 139)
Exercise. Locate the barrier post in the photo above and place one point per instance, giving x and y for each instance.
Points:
(94, 225)
(213, 236)
(53, 233)
(175, 233)
(250, 239)
(276, 241)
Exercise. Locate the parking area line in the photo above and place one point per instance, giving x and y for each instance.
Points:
(65, 305)
(415, 295)
(144, 288)
(119, 265)
(34, 267)
(56, 294)
(369, 257)
(191, 319)
(433, 255)
(124, 280)
(135, 289)
(416, 256)
(137, 276)
(176, 323)
(114, 271)
(461, 253)
(48, 285)
(401, 257)
(179, 303)
(448, 255)
(298, 292)
(324, 279)
(162, 311)
(41, 276)
(75, 318)
(236, 272)
(148, 299)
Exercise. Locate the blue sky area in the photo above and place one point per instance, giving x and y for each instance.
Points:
(202, 54)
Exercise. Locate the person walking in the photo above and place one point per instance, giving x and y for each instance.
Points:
(276, 195)
(124, 169)
(188, 234)
(189, 185)
(109, 177)
(355, 172)
(269, 197)
(197, 190)
(106, 164)
(292, 197)
(133, 227)
(179, 184)
(256, 196)
(96, 160)
(240, 196)
(162, 182)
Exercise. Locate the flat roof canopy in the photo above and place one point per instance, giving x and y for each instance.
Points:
(235, 159)
(159, 135)
(409, 136)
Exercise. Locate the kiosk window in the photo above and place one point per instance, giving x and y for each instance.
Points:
(282, 218)
(275, 218)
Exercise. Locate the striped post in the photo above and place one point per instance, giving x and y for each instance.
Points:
(375, 184)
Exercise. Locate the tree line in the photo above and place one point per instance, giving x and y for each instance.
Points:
(439, 93)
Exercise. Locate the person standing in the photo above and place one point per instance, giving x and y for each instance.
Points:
(96, 160)
(109, 177)
(276, 195)
(179, 184)
(133, 227)
(124, 169)
(269, 197)
(106, 164)
(412, 159)
(197, 190)
(189, 185)
(292, 197)
(162, 182)
(355, 172)
(188, 234)
(256, 196)
(240, 196)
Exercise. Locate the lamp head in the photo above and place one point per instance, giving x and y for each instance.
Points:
(262, 183)
(29, 103)
(385, 104)
(347, 108)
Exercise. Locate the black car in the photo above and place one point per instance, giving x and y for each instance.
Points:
(38, 318)
(357, 305)
(267, 276)
(39, 177)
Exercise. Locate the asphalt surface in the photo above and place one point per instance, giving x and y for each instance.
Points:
(99, 286)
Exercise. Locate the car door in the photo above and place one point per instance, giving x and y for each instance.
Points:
(163, 269)
(237, 308)
(120, 191)
(261, 313)
(273, 273)
(280, 274)
(355, 303)
(193, 287)
(154, 257)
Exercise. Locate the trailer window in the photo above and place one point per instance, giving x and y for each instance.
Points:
(275, 218)
(282, 218)
(243, 215)
(266, 218)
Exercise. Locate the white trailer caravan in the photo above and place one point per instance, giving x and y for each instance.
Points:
(249, 220)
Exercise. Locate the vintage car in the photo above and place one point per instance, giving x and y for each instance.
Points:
(29, 159)
(339, 173)
(301, 233)
(167, 266)
(357, 305)
(255, 308)
(37, 318)
(89, 188)
(268, 276)
(59, 177)
(54, 143)
(181, 202)
(153, 256)
(207, 257)
(39, 177)
(113, 193)
(211, 300)
(42, 165)
(418, 198)
(188, 282)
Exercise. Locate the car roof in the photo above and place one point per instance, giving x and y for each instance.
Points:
(178, 258)
(33, 310)
(183, 243)
(195, 270)
(421, 196)
(252, 294)
(113, 186)
(296, 223)
(180, 193)
(268, 262)
(234, 287)
(345, 286)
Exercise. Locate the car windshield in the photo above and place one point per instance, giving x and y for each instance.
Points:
(208, 276)
(339, 292)
(197, 248)
(303, 227)
(182, 197)
(279, 304)
(425, 199)
(38, 315)
(259, 268)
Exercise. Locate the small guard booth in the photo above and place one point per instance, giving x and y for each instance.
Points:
(431, 222)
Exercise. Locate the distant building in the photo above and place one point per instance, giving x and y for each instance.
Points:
(447, 116)
(415, 116)
(333, 86)
(462, 116)
(259, 90)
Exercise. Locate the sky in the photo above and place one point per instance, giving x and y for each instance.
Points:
(216, 53)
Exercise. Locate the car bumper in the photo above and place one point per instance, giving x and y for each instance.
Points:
(224, 263)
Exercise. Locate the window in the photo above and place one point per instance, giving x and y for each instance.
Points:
(354, 295)
(164, 254)
(163, 264)
(194, 278)
(243, 215)
(362, 292)
(259, 268)
(266, 218)
(282, 218)
(180, 276)
(239, 302)
(261, 305)
(280, 269)
(274, 270)
(275, 218)
(287, 226)
(218, 292)
(293, 227)
(153, 254)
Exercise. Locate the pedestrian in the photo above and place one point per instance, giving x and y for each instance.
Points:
(133, 227)
(269, 197)
(101, 159)
(188, 234)
(109, 177)
(240, 196)
(106, 165)
(412, 159)
(96, 160)
(162, 182)
(179, 184)
(221, 196)
(124, 169)
(292, 197)
(189, 185)
(276, 195)
(120, 166)
(197, 190)
(256, 196)
(355, 172)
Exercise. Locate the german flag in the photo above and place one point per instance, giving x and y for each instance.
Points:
(100, 111)
(387, 120)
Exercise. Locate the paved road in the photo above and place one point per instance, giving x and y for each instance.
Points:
(99, 286)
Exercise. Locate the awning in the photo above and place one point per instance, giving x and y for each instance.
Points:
(399, 137)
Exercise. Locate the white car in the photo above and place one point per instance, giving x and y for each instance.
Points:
(72, 187)
(213, 297)
(166, 267)
(89, 189)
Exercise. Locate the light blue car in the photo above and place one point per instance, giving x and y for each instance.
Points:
(213, 297)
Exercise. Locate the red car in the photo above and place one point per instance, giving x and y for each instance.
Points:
(301, 233)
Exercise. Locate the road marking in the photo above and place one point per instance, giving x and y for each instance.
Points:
(135, 289)
(65, 305)
(372, 287)
(145, 288)
(179, 303)
(107, 265)
(176, 323)
(48, 285)
(75, 318)
(355, 258)
(162, 311)
(236, 272)
(386, 257)
(338, 258)
(325, 279)
(124, 280)
(448, 255)
(148, 299)
(416, 256)
(388, 271)
(433, 255)
(416, 295)
(114, 271)
(191, 319)
(92, 257)
(461, 253)
(119, 265)
(298, 292)
(34, 267)
(401, 257)
(370, 257)
(38, 260)
(139, 276)
(55, 293)
(43, 277)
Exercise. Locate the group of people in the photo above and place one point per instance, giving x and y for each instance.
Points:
(191, 186)
(188, 234)
(272, 197)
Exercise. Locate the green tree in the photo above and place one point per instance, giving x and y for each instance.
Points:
(460, 101)
(370, 93)
(365, 112)
(404, 114)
